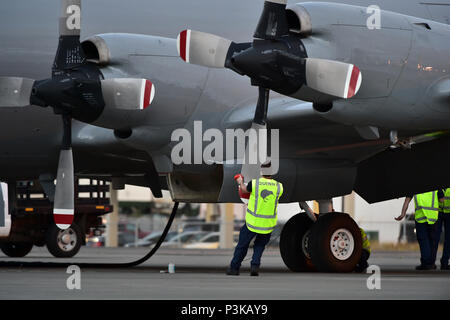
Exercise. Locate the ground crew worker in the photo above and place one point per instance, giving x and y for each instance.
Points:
(443, 220)
(426, 214)
(260, 219)
(362, 264)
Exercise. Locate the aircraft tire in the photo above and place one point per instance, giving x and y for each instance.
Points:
(64, 243)
(335, 243)
(16, 249)
(294, 242)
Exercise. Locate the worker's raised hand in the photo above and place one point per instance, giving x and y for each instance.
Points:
(239, 178)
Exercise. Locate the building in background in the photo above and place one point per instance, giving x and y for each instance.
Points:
(377, 219)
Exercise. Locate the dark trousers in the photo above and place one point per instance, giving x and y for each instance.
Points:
(425, 236)
(444, 220)
(363, 264)
(245, 236)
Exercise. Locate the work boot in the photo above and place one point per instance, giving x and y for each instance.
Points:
(360, 269)
(424, 267)
(232, 272)
(254, 271)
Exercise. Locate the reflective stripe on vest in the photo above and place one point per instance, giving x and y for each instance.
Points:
(250, 227)
(427, 207)
(261, 214)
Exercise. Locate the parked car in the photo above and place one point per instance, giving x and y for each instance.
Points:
(184, 238)
(210, 241)
(95, 241)
(151, 239)
(201, 226)
(130, 228)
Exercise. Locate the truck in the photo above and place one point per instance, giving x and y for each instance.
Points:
(26, 217)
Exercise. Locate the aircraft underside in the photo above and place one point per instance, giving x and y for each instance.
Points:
(352, 106)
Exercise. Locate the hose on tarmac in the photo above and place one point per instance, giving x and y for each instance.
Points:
(98, 265)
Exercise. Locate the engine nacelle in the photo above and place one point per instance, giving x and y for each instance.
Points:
(124, 96)
(115, 49)
(340, 32)
(403, 62)
(299, 20)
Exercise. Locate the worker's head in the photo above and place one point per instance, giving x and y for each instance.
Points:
(266, 168)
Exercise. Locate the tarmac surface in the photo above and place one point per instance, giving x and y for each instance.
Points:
(200, 274)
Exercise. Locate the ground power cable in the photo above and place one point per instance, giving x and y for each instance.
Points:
(98, 265)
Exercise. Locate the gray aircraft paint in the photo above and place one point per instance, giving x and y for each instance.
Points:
(31, 136)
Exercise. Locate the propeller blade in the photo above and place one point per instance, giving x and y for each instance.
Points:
(64, 205)
(63, 211)
(69, 53)
(203, 49)
(256, 148)
(15, 92)
(128, 94)
(273, 21)
(334, 78)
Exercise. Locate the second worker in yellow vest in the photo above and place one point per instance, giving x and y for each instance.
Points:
(443, 221)
(426, 214)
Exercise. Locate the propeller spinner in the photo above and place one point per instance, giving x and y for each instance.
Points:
(275, 60)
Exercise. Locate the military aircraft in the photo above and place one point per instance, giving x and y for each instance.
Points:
(359, 95)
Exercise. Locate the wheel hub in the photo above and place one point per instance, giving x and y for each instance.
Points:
(67, 239)
(342, 244)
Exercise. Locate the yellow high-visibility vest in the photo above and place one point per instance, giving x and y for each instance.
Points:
(261, 216)
(427, 207)
(446, 204)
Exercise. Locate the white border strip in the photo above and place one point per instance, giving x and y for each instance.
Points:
(63, 211)
(152, 92)
(347, 81)
(143, 83)
(188, 45)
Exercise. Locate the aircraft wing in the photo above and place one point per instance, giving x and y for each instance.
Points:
(336, 159)
(304, 133)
